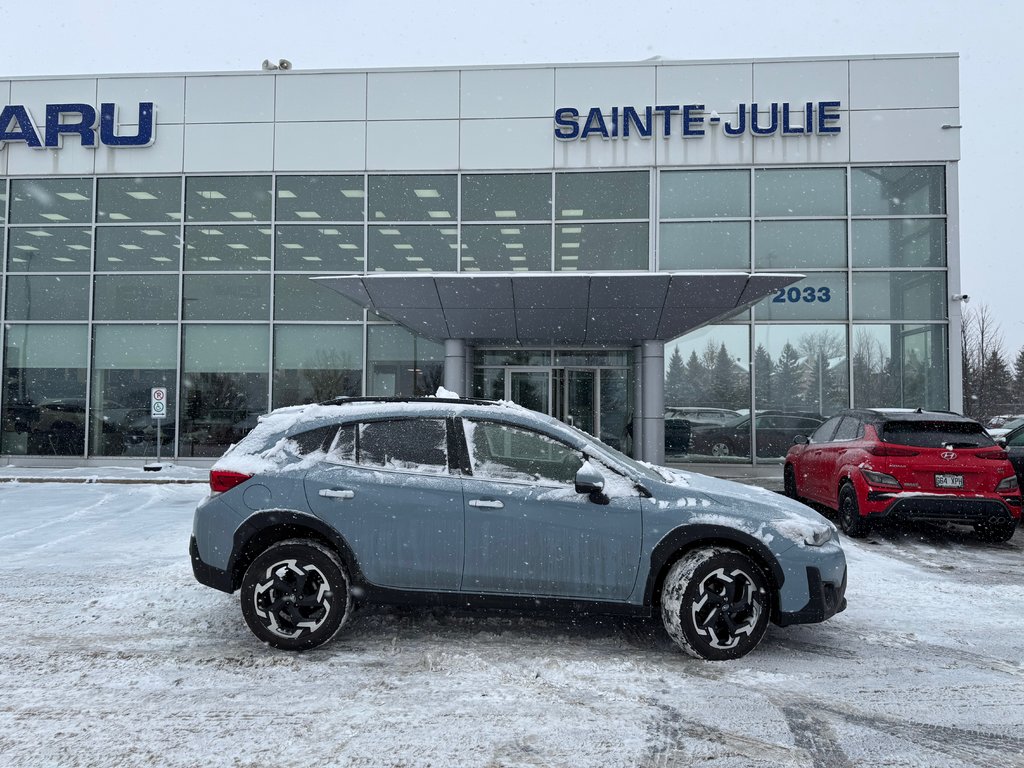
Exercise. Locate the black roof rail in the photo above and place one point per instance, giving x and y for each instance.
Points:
(345, 399)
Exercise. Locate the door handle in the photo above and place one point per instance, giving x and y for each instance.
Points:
(488, 503)
(332, 493)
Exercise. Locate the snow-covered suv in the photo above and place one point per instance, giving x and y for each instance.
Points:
(877, 464)
(467, 502)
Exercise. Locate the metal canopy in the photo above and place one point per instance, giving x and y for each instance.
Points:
(557, 308)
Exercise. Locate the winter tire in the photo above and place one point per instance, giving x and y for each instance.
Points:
(715, 604)
(850, 519)
(995, 532)
(296, 595)
(789, 482)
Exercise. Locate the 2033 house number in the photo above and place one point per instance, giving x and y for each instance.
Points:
(809, 295)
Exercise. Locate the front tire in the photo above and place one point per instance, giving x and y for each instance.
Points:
(715, 604)
(850, 519)
(296, 595)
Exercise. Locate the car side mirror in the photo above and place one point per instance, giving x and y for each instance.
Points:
(1001, 441)
(589, 480)
(801, 440)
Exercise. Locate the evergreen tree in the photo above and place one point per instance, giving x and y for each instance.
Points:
(763, 377)
(726, 385)
(674, 379)
(787, 378)
(694, 381)
(1017, 395)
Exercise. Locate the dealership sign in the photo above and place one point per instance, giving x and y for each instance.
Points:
(694, 120)
(79, 120)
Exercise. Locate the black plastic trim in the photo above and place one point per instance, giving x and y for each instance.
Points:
(206, 574)
(953, 509)
(825, 601)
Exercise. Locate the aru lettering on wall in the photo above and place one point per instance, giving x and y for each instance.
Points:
(694, 120)
(78, 120)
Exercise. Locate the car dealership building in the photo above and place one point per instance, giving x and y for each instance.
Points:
(652, 251)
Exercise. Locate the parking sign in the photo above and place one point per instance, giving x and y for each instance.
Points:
(158, 403)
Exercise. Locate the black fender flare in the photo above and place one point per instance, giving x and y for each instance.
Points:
(261, 529)
(687, 537)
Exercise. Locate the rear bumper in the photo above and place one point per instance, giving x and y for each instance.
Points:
(941, 509)
(826, 600)
(207, 574)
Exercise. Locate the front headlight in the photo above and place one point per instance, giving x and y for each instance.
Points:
(819, 535)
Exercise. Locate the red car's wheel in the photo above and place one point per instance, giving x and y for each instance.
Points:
(850, 519)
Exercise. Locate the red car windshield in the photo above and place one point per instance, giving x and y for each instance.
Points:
(936, 434)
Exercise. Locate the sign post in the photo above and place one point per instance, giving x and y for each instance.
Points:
(158, 411)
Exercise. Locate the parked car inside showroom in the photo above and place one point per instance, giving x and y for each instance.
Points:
(451, 501)
(871, 465)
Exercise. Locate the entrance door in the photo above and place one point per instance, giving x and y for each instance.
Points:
(530, 388)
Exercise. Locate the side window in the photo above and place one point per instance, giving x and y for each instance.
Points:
(824, 433)
(849, 429)
(412, 444)
(343, 446)
(503, 452)
(318, 439)
(1017, 439)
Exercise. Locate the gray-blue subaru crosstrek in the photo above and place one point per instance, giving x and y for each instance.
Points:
(447, 501)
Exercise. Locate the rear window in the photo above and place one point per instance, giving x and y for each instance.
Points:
(936, 434)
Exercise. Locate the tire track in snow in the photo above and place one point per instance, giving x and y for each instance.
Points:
(817, 736)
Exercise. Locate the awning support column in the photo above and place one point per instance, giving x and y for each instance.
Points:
(455, 366)
(653, 401)
(638, 404)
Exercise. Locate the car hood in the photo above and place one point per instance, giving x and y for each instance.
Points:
(694, 498)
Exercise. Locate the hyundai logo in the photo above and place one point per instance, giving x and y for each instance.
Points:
(948, 455)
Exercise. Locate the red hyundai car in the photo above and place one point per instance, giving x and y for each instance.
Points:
(879, 464)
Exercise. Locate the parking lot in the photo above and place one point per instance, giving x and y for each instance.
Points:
(113, 655)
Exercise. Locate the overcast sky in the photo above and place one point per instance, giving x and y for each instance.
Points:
(65, 37)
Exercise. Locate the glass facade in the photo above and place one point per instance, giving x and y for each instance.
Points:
(200, 284)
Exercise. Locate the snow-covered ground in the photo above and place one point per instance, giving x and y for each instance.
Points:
(112, 655)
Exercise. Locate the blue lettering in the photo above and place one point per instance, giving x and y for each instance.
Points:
(615, 124)
(690, 120)
(594, 124)
(565, 119)
(809, 117)
(741, 123)
(828, 113)
(787, 129)
(85, 127)
(667, 110)
(108, 127)
(759, 130)
(24, 130)
(629, 116)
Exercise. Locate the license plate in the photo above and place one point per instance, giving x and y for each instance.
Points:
(949, 481)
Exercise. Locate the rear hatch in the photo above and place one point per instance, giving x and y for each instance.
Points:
(944, 457)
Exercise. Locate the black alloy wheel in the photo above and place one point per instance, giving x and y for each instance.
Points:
(850, 519)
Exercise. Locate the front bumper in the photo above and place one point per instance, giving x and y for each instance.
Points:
(826, 599)
(941, 508)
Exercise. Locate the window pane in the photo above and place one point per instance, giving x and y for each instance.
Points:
(320, 198)
(799, 244)
(137, 249)
(227, 248)
(899, 296)
(505, 248)
(223, 385)
(45, 297)
(501, 452)
(313, 363)
(3, 201)
(45, 370)
(492, 197)
(412, 249)
(601, 246)
(704, 194)
(621, 195)
(227, 198)
(512, 357)
(50, 249)
(139, 199)
(819, 296)
(420, 445)
(709, 369)
(402, 364)
(227, 297)
(800, 371)
(899, 243)
(705, 245)
(489, 383)
(900, 366)
(296, 297)
(413, 198)
(811, 192)
(896, 191)
(54, 201)
(338, 249)
(127, 362)
(136, 297)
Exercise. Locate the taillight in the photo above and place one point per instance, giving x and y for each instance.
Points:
(1008, 485)
(880, 478)
(221, 480)
(994, 454)
(884, 449)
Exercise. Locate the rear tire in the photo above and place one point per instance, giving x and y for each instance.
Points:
(296, 595)
(850, 519)
(995, 532)
(715, 604)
